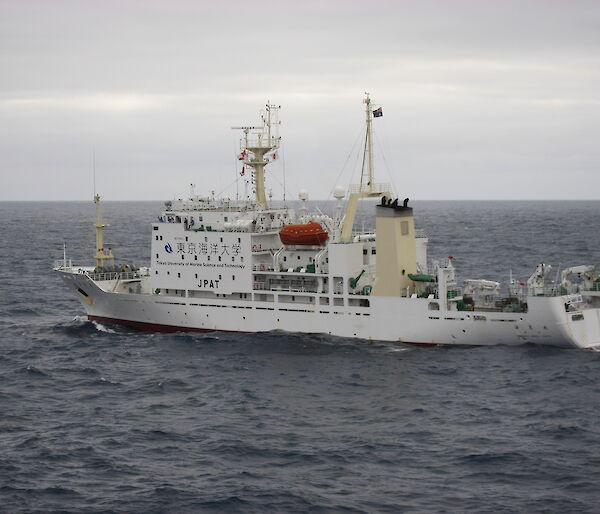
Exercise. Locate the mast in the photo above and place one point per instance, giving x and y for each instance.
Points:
(367, 187)
(261, 141)
(102, 254)
(366, 178)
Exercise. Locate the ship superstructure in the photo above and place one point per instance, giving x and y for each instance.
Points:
(245, 266)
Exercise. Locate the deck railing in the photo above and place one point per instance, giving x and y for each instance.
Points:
(379, 187)
(117, 275)
(419, 232)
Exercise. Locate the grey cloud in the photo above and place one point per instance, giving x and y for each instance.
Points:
(481, 99)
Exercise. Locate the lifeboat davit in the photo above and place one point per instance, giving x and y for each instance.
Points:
(311, 233)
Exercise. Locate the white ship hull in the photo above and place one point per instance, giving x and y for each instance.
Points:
(400, 320)
(245, 266)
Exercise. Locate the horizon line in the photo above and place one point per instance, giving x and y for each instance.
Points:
(333, 200)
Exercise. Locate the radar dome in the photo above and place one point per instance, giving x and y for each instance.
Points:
(303, 194)
(339, 192)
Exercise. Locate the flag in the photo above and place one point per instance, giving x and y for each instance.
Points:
(243, 171)
(377, 113)
(274, 155)
(242, 156)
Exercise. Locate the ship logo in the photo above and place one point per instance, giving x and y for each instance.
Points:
(168, 248)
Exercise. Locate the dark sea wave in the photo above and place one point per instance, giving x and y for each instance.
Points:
(97, 418)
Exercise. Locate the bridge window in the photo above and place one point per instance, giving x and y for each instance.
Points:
(434, 306)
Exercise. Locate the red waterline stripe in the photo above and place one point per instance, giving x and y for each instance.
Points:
(151, 327)
(155, 327)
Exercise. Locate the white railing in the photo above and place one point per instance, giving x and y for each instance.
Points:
(454, 292)
(262, 267)
(117, 275)
(259, 248)
(419, 233)
(379, 187)
(552, 290)
(262, 142)
(62, 265)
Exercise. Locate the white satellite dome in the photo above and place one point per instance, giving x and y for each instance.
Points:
(303, 195)
(339, 192)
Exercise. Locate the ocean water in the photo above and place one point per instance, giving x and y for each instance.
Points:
(97, 418)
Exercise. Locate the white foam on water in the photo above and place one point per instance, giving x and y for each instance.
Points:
(101, 328)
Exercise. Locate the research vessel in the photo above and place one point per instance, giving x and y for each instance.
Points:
(248, 266)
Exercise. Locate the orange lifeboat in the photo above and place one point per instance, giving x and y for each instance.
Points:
(312, 233)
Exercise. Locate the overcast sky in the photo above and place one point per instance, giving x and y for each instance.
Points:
(481, 99)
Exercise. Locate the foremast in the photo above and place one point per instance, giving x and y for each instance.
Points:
(259, 141)
(102, 254)
(367, 187)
